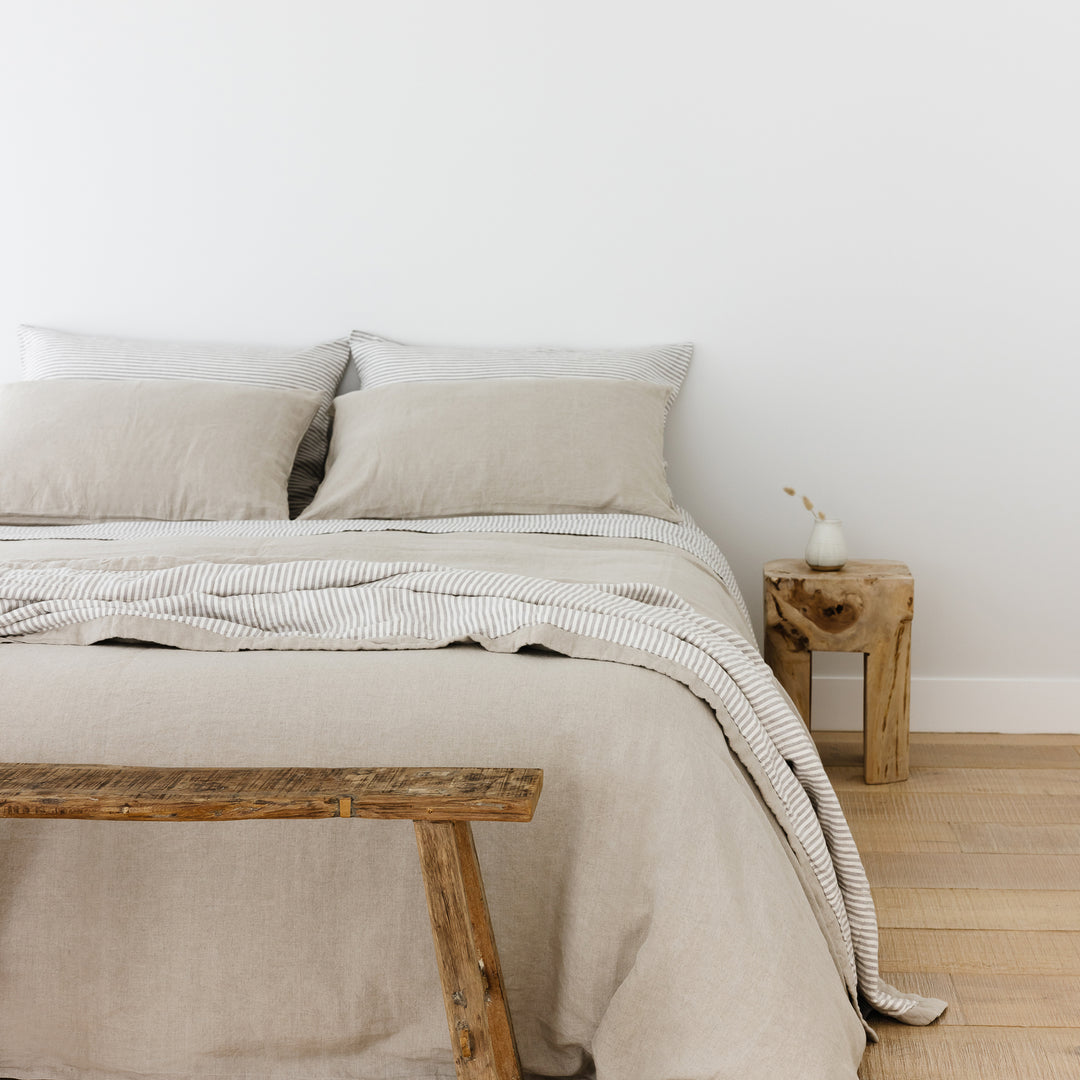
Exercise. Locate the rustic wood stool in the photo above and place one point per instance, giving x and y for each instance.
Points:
(865, 607)
(441, 803)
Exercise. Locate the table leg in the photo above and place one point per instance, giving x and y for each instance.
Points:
(476, 1011)
(793, 668)
(886, 707)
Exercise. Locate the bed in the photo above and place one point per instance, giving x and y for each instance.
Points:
(491, 572)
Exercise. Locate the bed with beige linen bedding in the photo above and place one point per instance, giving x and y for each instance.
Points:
(491, 572)
(668, 914)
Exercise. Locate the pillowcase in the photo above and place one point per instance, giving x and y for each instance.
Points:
(497, 446)
(78, 450)
(380, 362)
(53, 354)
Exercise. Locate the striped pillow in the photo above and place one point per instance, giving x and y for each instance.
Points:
(380, 362)
(53, 354)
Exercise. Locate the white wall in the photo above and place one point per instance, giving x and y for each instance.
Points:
(865, 214)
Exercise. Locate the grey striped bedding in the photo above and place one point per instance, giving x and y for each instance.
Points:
(684, 534)
(380, 362)
(343, 604)
(56, 354)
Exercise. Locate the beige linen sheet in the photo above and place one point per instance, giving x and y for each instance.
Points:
(652, 920)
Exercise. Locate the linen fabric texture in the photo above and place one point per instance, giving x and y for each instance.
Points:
(57, 354)
(380, 362)
(497, 446)
(77, 450)
(651, 862)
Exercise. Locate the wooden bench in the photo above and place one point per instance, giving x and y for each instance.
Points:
(441, 803)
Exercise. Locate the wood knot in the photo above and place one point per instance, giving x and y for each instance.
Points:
(465, 1048)
(829, 613)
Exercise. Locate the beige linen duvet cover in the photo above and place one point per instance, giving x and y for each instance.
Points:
(656, 920)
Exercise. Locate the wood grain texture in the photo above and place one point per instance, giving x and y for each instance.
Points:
(886, 706)
(893, 804)
(867, 608)
(440, 801)
(971, 1053)
(476, 1010)
(138, 793)
(978, 909)
(848, 610)
(1015, 781)
(937, 870)
(500, 1029)
(792, 667)
(884, 836)
(1018, 839)
(999, 1000)
(975, 870)
(960, 750)
(981, 952)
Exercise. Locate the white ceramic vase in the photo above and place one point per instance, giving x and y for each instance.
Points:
(826, 549)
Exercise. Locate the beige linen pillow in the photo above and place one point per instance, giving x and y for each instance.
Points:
(497, 446)
(56, 354)
(78, 450)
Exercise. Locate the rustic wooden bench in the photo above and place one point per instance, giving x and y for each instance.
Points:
(441, 803)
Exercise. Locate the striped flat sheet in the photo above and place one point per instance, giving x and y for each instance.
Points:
(684, 534)
(340, 604)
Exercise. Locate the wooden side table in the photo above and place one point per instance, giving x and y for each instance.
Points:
(865, 607)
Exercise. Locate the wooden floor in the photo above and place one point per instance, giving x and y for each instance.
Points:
(974, 864)
(975, 867)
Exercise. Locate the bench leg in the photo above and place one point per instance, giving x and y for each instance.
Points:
(886, 708)
(476, 1011)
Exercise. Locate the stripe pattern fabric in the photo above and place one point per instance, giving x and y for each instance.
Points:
(346, 604)
(684, 534)
(380, 362)
(55, 354)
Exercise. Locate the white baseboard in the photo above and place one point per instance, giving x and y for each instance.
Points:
(1027, 706)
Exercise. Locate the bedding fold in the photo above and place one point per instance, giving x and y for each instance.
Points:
(345, 605)
(686, 905)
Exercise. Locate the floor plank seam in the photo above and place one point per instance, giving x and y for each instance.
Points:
(974, 865)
